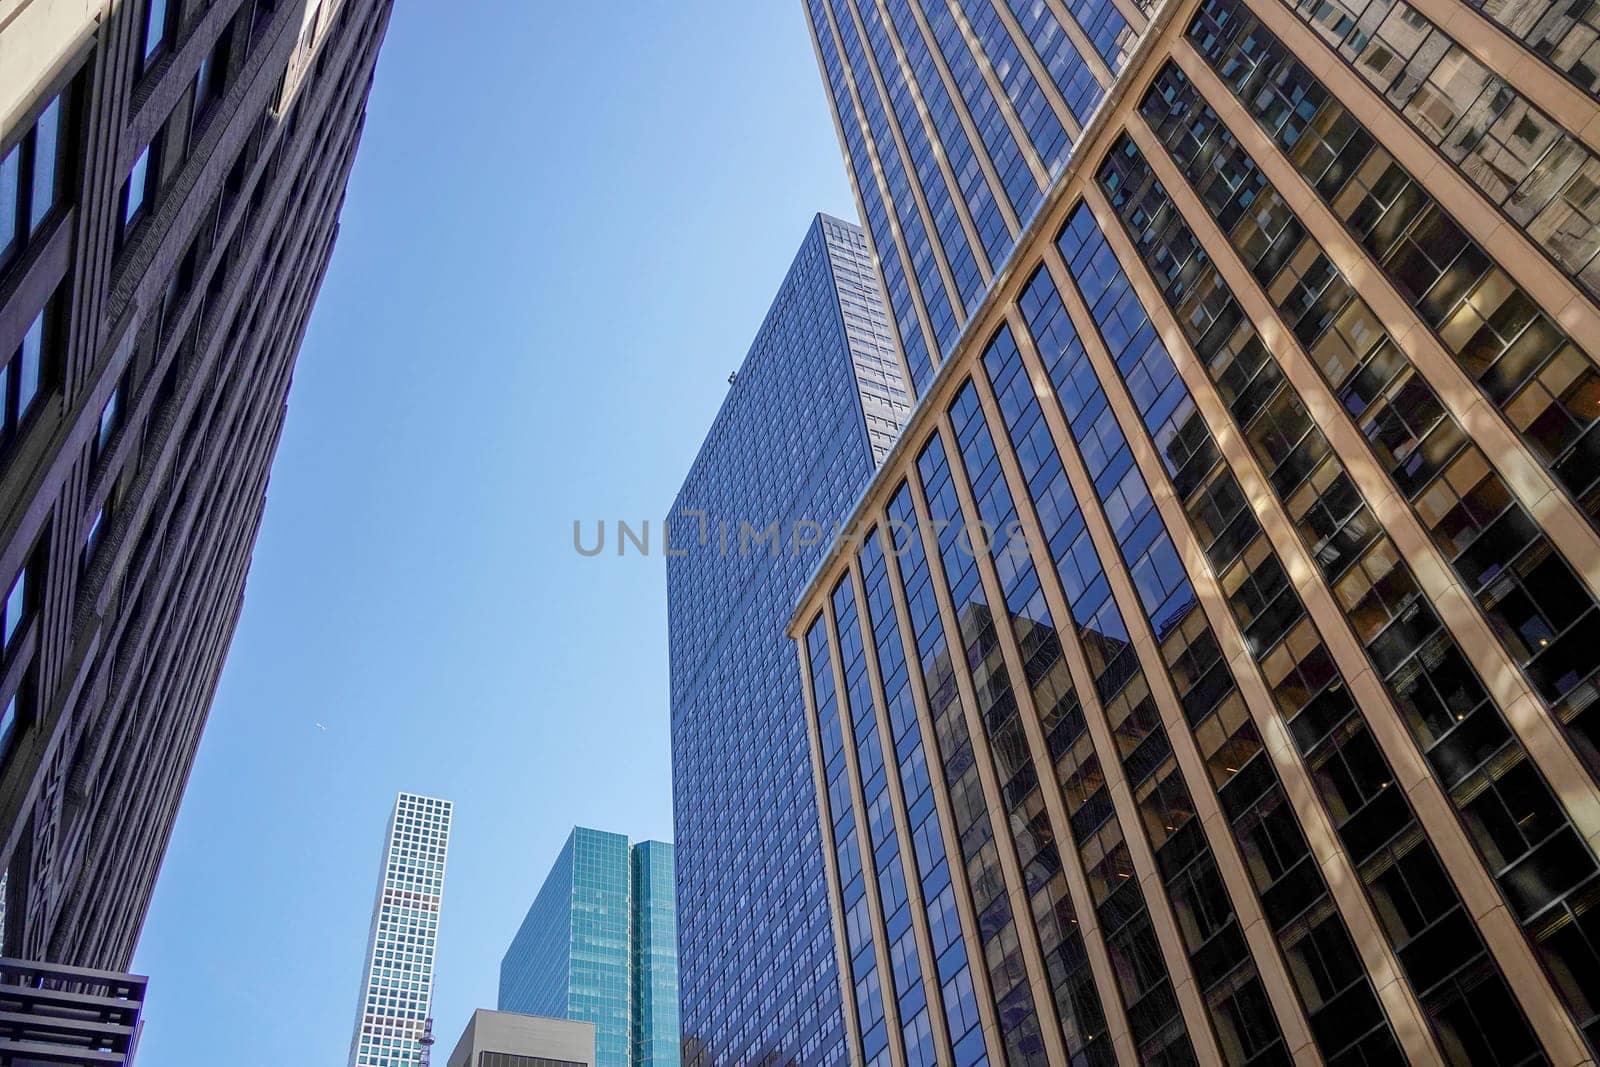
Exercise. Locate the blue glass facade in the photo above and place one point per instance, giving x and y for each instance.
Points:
(577, 954)
(814, 407)
(955, 117)
(655, 956)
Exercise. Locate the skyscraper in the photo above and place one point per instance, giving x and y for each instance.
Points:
(397, 985)
(655, 955)
(598, 946)
(955, 116)
(815, 404)
(1237, 570)
(171, 174)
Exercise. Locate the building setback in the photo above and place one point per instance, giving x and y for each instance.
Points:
(171, 173)
(1237, 569)
(815, 404)
(599, 945)
(392, 1010)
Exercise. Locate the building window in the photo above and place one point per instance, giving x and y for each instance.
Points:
(110, 420)
(20, 375)
(138, 191)
(211, 81)
(15, 610)
(31, 178)
(10, 197)
(91, 540)
(155, 28)
(207, 81)
(8, 722)
(47, 148)
(17, 714)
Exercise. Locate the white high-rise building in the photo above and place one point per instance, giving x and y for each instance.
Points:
(398, 984)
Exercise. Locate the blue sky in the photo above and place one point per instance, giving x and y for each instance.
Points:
(565, 224)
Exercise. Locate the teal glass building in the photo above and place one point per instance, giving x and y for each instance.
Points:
(655, 955)
(599, 945)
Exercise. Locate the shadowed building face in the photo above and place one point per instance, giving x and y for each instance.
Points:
(171, 175)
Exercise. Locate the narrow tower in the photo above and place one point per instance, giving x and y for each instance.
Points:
(393, 1015)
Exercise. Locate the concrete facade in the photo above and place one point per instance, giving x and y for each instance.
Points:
(171, 174)
(509, 1039)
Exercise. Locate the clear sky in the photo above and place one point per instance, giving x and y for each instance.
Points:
(565, 224)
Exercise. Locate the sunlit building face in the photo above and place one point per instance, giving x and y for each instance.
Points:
(1269, 727)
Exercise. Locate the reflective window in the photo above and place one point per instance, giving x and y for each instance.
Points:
(16, 607)
(27, 367)
(1544, 178)
(1353, 777)
(920, 359)
(137, 190)
(1421, 664)
(1498, 335)
(969, 280)
(757, 945)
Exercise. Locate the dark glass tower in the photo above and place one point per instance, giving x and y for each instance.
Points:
(171, 173)
(812, 410)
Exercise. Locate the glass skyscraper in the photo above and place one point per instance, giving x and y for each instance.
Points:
(598, 945)
(1231, 603)
(956, 116)
(398, 983)
(814, 407)
(655, 956)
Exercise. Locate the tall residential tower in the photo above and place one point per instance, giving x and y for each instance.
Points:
(814, 407)
(1238, 570)
(397, 986)
(171, 174)
(599, 945)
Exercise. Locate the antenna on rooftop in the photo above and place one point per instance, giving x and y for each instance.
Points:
(426, 1059)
